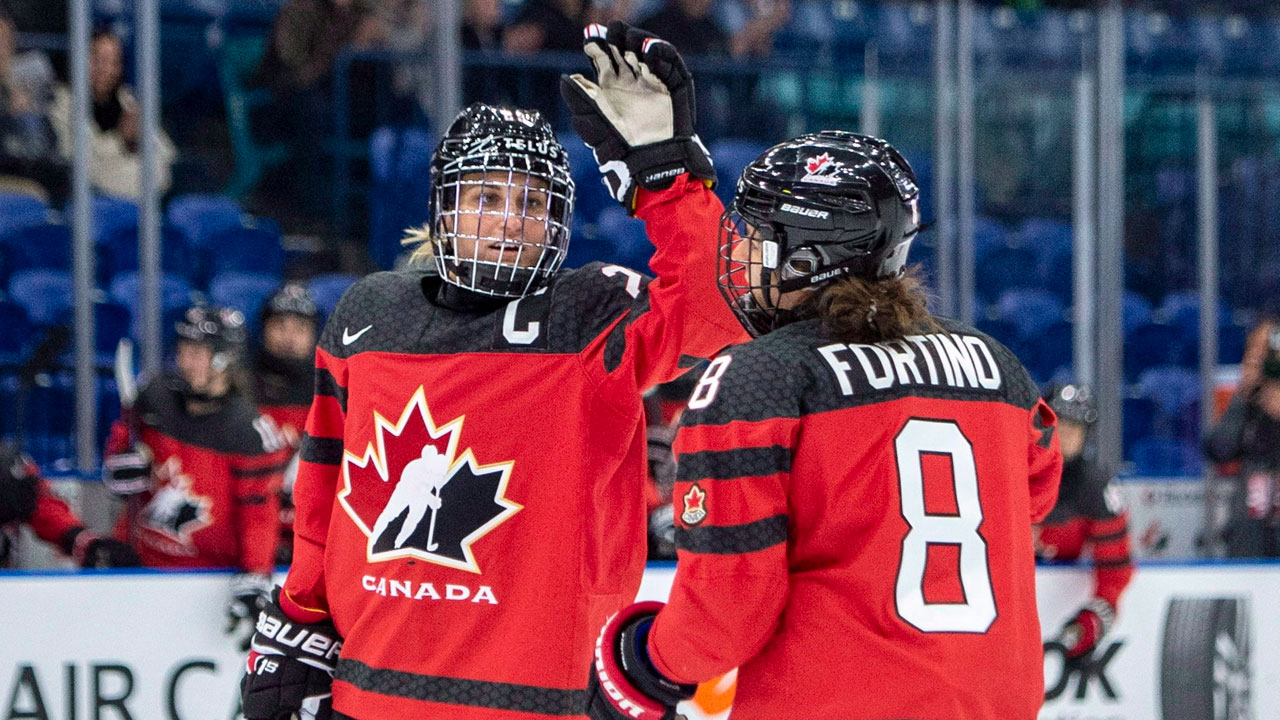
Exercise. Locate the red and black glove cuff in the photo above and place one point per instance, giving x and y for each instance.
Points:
(624, 683)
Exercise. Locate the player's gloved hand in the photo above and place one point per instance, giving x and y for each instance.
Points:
(624, 684)
(128, 473)
(294, 677)
(1083, 632)
(92, 551)
(638, 114)
(250, 594)
(19, 486)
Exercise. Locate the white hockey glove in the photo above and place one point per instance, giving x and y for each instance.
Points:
(128, 473)
(638, 114)
(250, 594)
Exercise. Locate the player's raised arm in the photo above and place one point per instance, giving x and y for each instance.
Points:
(638, 117)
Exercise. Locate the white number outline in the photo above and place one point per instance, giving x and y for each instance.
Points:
(710, 383)
(978, 611)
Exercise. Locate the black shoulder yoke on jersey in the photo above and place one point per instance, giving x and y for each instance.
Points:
(228, 430)
(392, 312)
(1083, 493)
(798, 370)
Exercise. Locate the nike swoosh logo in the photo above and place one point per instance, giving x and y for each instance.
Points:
(348, 338)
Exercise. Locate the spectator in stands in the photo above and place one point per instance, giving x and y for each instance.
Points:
(1249, 432)
(115, 165)
(29, 161)
(482, 29)
(298, 70)
(689, 23)
(25, 498)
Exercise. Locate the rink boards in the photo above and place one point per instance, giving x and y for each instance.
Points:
(1193, 641)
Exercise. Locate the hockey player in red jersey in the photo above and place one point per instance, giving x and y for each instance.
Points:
(282, 380)
(25, 497)
(470, 499)
(203, 468)
(1089, 514)
(855, 486)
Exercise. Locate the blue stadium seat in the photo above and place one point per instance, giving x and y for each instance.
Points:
(47, 245)
(1137, 310)
(327, 289)
(247, 248)
(200, 216)
(731, 157)
(1150, 345)
(1005, 268)
(811, 29)
(1231, 341)
(44, 293)
(18, 210)
(1031, 310)
(176, 254)
(1044, 237)
(111, 323)
(400, 193)
(625, 237)
(244, 292)
(1162, 456)
(592, 195)
(1049, 352)
(110, 213)
(16, 333)
(1139, 420)
(175, 294)
(988, 235)
(1173, 388)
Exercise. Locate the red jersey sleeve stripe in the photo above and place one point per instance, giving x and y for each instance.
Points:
(1101, 538)
(327, 417)
(732, 464)
(321, 451)
(733, 539)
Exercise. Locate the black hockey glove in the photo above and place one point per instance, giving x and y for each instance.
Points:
(128, 473)
(19, 486)
(94, 552)
(624, 684)
(250, 594)
(1085, 630)
(638, 114)
(290, 668)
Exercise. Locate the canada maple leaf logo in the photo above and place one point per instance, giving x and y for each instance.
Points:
(816, 165)
(695, 510)
(414, 496)
(174, 510)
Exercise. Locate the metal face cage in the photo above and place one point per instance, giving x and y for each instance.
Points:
(503, 217)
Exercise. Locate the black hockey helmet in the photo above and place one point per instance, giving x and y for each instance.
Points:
(222, 329)
(1073, 402)
(815, 209)
(291, 299)
(500, 147)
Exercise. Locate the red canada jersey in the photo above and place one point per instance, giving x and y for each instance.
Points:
(284, 395)
(216, 480)
(854, 528)
(470, 501)
(1089, 515)
(53, 518)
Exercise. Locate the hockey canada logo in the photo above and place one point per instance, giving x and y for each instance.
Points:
(414, 496)
(821, 170)
(695, 506)
(175, 511)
